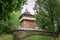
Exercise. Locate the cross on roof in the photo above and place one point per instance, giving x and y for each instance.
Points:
(26, 10)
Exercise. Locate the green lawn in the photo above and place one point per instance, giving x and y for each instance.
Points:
(39, 38)
(6, 37)
(36, 37)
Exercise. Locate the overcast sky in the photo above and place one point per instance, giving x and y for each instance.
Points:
(29, 6)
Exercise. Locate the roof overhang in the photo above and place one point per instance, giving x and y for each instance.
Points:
(27, 18)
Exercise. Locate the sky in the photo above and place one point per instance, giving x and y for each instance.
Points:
(29, 6)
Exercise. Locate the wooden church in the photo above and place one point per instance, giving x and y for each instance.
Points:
(27, 21)
(28, 27)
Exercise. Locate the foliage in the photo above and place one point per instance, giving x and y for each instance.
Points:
(10, 24)
(9, 15)
(14, 19)
(8, 6)
(52, 8)
(43, 20)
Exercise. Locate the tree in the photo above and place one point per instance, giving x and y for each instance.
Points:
(49, 8)
(52, 7)
(9, 15)
(14, 19)
(8, 6)
(43, 20)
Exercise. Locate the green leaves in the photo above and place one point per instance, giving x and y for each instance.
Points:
(10, 24)
(14, 19)
(46, 10)
(8, 14)
(3, 26)
(8, 6)
(43, 20)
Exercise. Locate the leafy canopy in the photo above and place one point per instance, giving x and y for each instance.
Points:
(48, 11)
(8, 6)
(9, 15)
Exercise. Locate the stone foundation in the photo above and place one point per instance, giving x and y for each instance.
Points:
(23, 33)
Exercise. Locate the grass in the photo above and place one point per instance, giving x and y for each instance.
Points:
(6, 37)
(36, 37)
(58, 38)
(39, 38)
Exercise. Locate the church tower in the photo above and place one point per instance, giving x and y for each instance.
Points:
(26, 20)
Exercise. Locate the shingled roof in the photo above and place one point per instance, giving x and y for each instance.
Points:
(26, 13)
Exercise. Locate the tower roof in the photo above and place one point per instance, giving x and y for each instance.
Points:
(27, 12)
